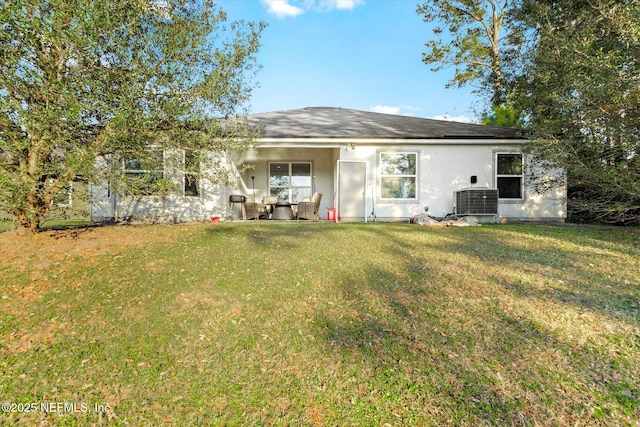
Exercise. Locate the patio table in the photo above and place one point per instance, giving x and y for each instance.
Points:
(282, 211)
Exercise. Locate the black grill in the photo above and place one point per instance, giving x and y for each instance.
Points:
(236, 198)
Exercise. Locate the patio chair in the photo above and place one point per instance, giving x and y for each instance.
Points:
(252, 210)
(268, 202)
(309, 210)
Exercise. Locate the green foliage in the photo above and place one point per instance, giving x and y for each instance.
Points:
(503, 116)
(481, 39)
(81, 80)
(581, 92)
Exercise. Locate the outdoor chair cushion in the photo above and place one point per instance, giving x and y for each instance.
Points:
(309, 210)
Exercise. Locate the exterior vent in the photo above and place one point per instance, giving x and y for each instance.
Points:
(477, 201)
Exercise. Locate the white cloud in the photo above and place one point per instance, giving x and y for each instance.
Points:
(341, 4)
(385, 109)
(282, 8)
(461, 118)
(407, 110)
(402, 110)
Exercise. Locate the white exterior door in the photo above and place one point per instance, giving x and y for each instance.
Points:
(352, 190)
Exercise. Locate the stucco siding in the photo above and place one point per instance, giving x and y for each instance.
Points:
(444, 169)
(212, 199)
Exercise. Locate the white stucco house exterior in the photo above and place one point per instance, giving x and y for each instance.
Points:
(368, 166)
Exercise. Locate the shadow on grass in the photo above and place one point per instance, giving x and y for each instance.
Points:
(432, 336)
(56, 225)
(421, 355)
(574, 269)
(69, 224)
(265, 233)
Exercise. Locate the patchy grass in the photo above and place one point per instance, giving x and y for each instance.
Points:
(63, 224)
(51, 224)
(322, 324)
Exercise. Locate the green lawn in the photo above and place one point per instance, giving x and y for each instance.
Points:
(51, 224)
(322, 324)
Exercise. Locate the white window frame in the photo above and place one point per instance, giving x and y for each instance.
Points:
(290, 188)
(520, 176)
(137, 172)
(382, 176)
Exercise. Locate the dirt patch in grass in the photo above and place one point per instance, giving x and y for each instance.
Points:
(60, 248)
(51, 246)
(32, 265)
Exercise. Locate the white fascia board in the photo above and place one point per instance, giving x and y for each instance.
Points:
(339, 142)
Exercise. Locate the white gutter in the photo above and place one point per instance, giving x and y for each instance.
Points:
(339, 142)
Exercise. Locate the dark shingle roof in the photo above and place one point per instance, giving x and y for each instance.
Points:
(327, 122)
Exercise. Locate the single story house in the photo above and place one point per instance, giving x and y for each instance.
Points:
(368, 166)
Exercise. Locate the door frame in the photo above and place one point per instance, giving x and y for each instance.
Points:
(364, 189)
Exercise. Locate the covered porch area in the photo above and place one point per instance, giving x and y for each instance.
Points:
(283, 179)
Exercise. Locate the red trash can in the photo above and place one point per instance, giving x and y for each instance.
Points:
(331, 215)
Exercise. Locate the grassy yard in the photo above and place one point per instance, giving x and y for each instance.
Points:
(321, 324)
(51, 224)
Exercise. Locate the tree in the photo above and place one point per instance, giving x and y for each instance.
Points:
(478, 49)
(581, 92)
(97, 79)
(504, 116)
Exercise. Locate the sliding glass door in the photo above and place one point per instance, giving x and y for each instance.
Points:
(290, 181)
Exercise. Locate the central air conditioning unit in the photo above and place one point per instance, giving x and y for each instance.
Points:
(477, 201)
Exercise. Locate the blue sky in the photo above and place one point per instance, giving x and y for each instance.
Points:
(360, 54)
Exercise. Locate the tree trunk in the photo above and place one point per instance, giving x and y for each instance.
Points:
(496, 64)
(27, 220)
(25, 225)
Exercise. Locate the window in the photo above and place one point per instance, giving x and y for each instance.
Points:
(398, 175)
(143, 172)
(63, 198)
(290, 181)
(191, 174)
(509, 176)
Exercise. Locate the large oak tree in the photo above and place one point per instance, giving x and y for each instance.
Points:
(88, 79)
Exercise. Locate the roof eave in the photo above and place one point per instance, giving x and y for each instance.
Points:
(324, 142)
